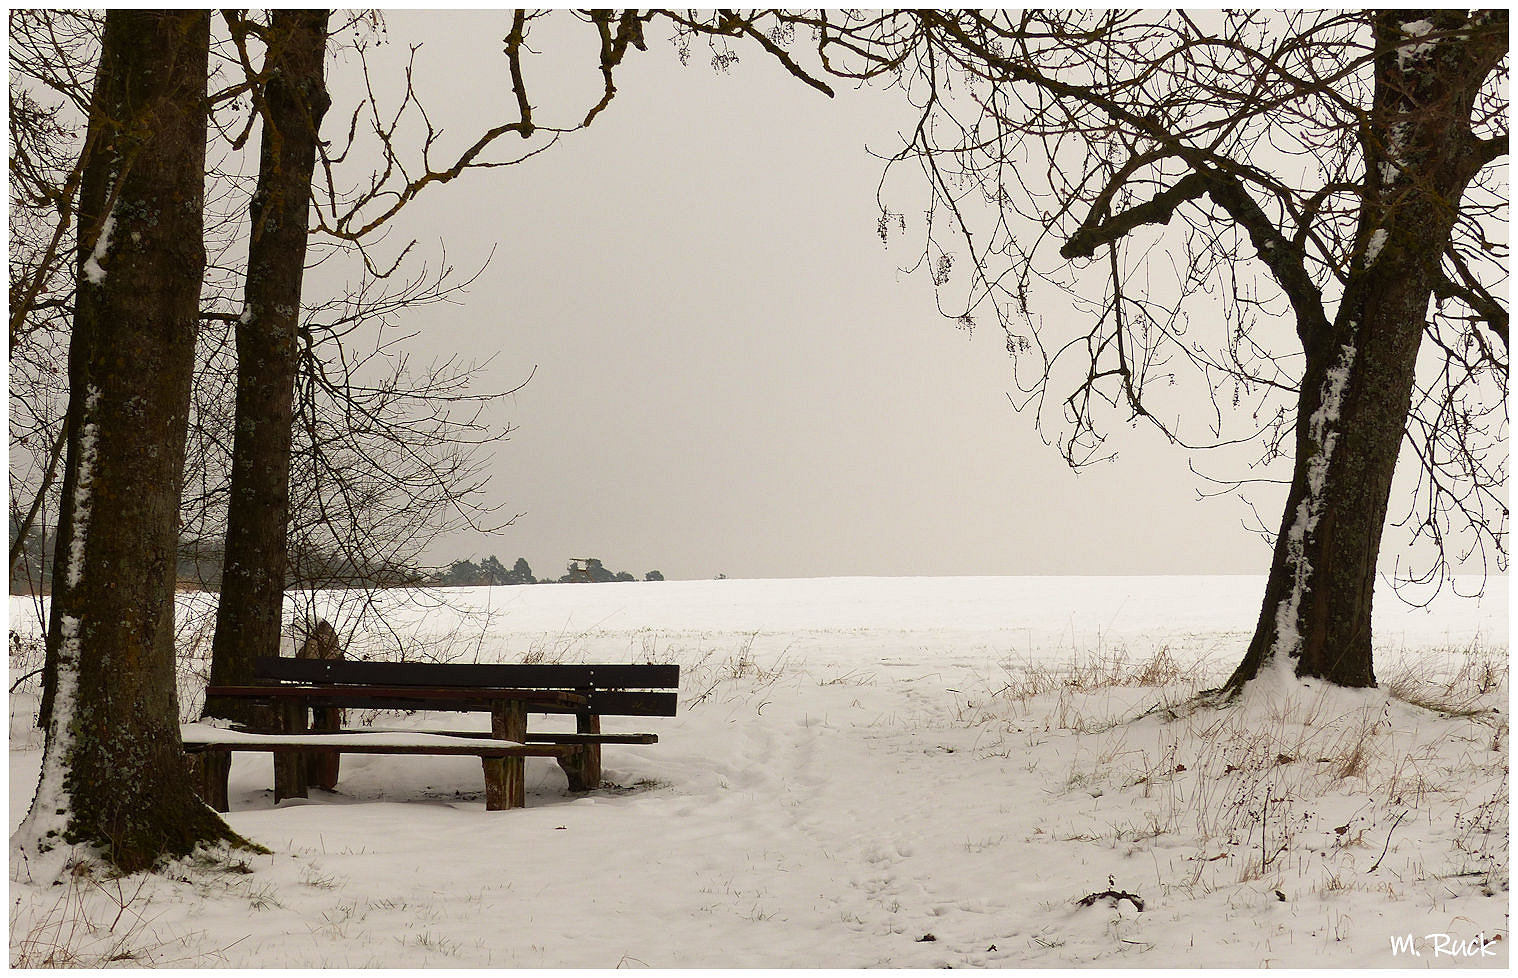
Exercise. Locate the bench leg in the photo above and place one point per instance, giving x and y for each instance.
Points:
(496, 797)
(208, 776)
(508, 721)
(290, 767)
(583, 767)
(322, 766)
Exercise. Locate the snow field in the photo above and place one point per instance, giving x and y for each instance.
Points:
(886, 762)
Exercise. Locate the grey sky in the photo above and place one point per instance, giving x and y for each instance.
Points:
(731, 374)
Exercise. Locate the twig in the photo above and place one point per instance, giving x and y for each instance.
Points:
(1113, 895)
(15, 685)
(1264, 816)
(1387, 847)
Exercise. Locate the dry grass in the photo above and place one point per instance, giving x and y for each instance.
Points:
(1465, 690)
(1483, 841)
(1308, 786)
(1089, 673)
(740, 669)
(1083, 689)
(94, 923)
(541, 653)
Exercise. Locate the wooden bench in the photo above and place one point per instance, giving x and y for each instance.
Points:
(208, 741)
(300, 687)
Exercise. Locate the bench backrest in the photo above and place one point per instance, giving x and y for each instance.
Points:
(612, 689)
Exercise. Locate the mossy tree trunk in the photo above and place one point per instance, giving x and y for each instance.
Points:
(114, 775)
(292, 104)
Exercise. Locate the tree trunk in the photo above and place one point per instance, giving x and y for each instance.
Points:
(249, 615)
(1354, 403)
(113, 773)
(1358, 383)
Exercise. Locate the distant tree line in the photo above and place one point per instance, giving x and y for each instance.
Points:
(199, 561)
(490, 571)
(199, 568)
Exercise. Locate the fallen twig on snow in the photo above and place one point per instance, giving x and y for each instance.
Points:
(1386, 848)
(1114, 895)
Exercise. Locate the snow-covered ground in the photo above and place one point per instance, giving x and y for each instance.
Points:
(873, 772)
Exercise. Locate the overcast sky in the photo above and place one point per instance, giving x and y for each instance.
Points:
(729, 373)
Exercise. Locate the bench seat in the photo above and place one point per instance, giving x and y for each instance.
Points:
(533, 737)
(202, 737)
(210, 742)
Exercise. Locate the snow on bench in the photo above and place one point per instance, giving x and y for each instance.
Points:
(204, 736)
(209, 747)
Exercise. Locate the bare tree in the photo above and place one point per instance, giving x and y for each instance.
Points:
(1192, 181)
(292, 98)
(113, 767)
(398, 462)
(411, 152)
(51, 52)
(350, 345)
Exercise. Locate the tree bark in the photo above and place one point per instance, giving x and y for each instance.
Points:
(1354, 402)
(1358, 383)
(294, 99)
(114, 775)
